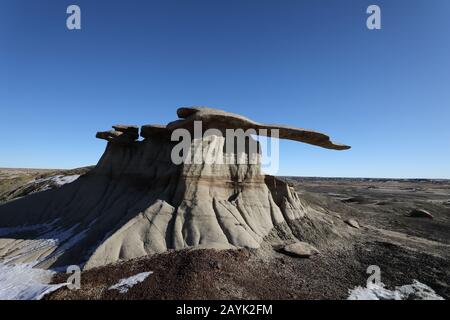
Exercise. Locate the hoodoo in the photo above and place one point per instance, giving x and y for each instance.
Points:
(137, 201)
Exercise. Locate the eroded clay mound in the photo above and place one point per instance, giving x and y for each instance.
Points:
(137, 202)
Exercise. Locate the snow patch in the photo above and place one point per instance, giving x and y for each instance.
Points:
(125, 284)
(23, 282)
(62, 180)
(414, 291)
(20, 281)
(58, 180)
(50, 239)
(52, 182)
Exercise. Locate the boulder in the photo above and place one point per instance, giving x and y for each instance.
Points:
(352, 223)
(300, 249)
(420, 213)
(357, 200)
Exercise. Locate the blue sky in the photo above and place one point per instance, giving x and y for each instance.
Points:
(309, 63)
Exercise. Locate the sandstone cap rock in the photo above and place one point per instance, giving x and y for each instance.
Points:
(215, 118)
(130, 129)
(122, 134)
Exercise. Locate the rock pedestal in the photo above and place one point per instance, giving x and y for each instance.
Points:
(137, 202)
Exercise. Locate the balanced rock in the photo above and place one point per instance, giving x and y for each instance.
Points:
(137, 201)
(420, 213)
(301, 249)
(219, 119)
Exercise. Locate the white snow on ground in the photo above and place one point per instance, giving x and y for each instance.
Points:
(125, 284)
(48, 183)
(414, 291)
(62, 180)
(48, 237)
(23, 282)
(20, 281)
(59, 179)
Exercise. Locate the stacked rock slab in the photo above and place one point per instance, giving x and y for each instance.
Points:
(137, 202)
(122, 134)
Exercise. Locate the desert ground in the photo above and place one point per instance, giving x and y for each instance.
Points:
(405, 248)
(17, 182)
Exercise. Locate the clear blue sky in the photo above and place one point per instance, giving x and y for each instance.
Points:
(309, 63)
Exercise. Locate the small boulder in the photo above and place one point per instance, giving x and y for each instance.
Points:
(300, 249)
(352, 223)
(420, 213)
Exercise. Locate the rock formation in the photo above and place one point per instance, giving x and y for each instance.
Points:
(420, 213)
(137, 202)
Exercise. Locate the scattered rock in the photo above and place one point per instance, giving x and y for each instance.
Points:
(216, 265)
(301, 249)
(357, 200)
(420, 213)
(352, 223)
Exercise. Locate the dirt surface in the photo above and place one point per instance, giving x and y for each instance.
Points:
(16, 182)
(385, 203)
(405, 248)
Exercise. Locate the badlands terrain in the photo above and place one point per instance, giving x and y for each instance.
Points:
(149, 221)
(406, 248)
